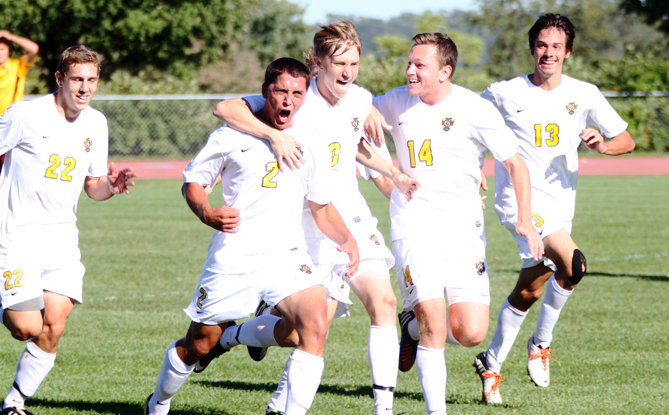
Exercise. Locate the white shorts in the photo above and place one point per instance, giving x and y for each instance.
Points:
(30, 267)
(225, 297)
(545, 226)
(428, 271)
(374, 255)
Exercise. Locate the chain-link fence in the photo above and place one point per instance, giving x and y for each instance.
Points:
(177, 126)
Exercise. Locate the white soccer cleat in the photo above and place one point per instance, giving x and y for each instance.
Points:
(538, 364)
(490, 380)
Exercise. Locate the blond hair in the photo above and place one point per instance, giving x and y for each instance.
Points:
(336, 36)
(74, 55)
(447, 52)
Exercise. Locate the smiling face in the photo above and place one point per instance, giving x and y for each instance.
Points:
(549, 52)
(336, 73)
(77, 88)
(426, 78)
(284, 97)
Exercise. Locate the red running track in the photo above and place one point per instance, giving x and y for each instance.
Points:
(595, 166)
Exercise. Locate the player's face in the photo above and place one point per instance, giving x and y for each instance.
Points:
(550, 51)
(77, 88)
(336, 73)
(284, 97)
(424, 73)
(4, 53)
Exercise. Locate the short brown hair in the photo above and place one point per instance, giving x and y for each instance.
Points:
(291, 66)
(74, 55)
(447, 52)
(555, 21)
(331, 38)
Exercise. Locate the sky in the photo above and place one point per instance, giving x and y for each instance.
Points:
(380, 9)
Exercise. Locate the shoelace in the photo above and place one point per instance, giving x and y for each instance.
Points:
(498, 380)
(543, 354)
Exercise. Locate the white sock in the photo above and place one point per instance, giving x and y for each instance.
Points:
(278, 401)
(34, 364)
(304, 376)
(412, 327)
(431, 367)
(450, 338)
(509, 321)
(173, 374)
(383, 354)
(554, 300)
(258, 332)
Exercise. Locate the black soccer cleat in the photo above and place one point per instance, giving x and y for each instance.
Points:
(15, 411)
(408, 346)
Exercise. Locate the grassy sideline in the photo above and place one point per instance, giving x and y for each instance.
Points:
(144, 253)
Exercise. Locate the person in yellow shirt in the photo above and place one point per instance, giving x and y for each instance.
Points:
(13, 71)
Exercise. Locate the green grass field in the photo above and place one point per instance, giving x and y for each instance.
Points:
(144, 253)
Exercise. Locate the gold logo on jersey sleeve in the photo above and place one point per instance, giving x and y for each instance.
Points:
(407, 277)
(571, 107)
(374, 239)
(480, 267)
(355, 123)
(305, 268)
(88, 143)
(447, 123)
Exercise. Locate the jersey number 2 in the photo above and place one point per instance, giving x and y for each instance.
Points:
(70, 162)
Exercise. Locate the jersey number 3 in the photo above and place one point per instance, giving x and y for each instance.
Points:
(552, 129)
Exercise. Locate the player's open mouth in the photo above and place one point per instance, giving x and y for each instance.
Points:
(342, 82)
(284, 115)
(82, 98)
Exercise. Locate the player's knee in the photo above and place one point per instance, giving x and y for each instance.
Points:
(578, 267)
(25, 332)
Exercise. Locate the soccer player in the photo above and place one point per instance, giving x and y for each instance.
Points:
(442, 132)
(255, 253)
(337, 108)
(13, 71)
(55, 145)
(551, 114)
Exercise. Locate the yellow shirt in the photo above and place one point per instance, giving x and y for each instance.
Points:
(12, 81)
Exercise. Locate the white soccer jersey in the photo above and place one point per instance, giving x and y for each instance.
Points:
(270, 201)
(47, 161)
(443, 146)
(547, 126)
(338, 132)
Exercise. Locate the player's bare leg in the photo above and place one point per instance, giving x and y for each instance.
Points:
(468, 323)
(374, 290)
(430, 361)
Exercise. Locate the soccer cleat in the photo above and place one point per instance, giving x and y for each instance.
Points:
(408, 346)
(490, 380)
(15, 411)
(258, 353)
(146, 406)
(538, 361)
(214, 353)
(270, 411)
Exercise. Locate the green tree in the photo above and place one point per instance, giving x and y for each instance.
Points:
(652, 10)
(178, 36)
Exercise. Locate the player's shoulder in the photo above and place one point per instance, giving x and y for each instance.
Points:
(574, 84)
(398, 96)
(508, 85)
(359, 92)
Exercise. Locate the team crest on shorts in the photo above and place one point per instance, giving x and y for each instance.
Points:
(374, 239)
(355, 123)
(88, 143)
(571, 107)
(407, 277)
(480, 267)
(447, 123)
(305, 268)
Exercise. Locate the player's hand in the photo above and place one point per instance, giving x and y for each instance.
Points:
(223, 218)
(287, 150)
(119, 180)
(374, 126)
(534, 241)
(593, 140)
(484, 187)
(406, 184)
(351, 249)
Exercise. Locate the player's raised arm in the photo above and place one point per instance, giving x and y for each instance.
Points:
(114, 183)
(520, 178)
(332, 225)
(222, 218)
(369, 158)
(237, 114)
